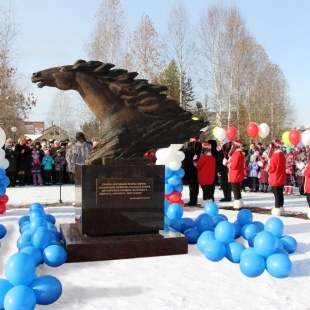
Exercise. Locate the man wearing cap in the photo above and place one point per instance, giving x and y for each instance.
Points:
(277, 175)
(235, 166)
(78, 152)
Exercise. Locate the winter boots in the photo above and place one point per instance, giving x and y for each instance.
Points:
(288, 190)
(238, 204)
(21, 180)
(277, 211)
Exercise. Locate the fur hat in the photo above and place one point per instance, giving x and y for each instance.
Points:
(277, 143)
(238, 143)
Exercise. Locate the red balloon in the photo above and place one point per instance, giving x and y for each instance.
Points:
(294, 137)
(253, 130)
(181, 202)
(4, 199)
(2, 208)
(174, 197)
(231, 133)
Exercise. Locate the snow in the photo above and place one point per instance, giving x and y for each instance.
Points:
(168, 282)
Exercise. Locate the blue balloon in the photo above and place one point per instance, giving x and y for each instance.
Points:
(244, 216)
(20, 297)
(35, 253)
(5, 286)
(204, 238)
(47, 289)
(279, 265)
(54, 255)
(252, 265)
(37, 222)
(23, 225)
(168, 189)
(2, 231)
(51, 226)
(211, 208)
(54, 234)
(192, 235)
(249, 230)
(173, 225)
(237, 229)
(23, 219)
(4, 181)
(168, 172)
(180, 173)
(251, 240)
(204, 222)
(2, 172)
(37, 213)
(174, 180)
(246, 251)
(25, 228)
(23, 239)
(275, 226)
(225, 232)
(217, 219)
(2, 190)
(36, 206)
(215, 251)
(259, 225)
(265, 243)
(174, 211)
(178, 188)
(166, 204)
(233, 251)
(187, 223)
(20, 269)
(289, 244)
(41, 238)
(51, 218)
(281, 251)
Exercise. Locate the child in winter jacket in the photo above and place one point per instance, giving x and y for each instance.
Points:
(263, 175)
(206, 167)
(47, 163)
(36, 168)
(290, 170)
(253, 174)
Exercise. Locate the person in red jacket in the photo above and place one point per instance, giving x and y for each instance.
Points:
(235, 166)
(277, 175)
(206, 168)
(306, 173)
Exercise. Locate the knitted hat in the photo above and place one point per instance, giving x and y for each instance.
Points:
(206, 146)
(289, 148)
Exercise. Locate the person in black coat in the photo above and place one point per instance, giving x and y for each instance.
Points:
(23, 152)
(215, 154)
(10, 155)
(223, 171)
(192, 153)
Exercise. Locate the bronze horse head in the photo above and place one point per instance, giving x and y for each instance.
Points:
(135, 115)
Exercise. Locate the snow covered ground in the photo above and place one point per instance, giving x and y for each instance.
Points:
(171, 282)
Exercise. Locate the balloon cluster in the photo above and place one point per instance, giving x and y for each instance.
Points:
(38, 243)
(295, 138)
(217, 238)
(172, 159)
(4, 180)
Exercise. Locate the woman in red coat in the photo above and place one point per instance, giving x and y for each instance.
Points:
(277, 175)
(235, 166)
(206, 168)
(306, 173)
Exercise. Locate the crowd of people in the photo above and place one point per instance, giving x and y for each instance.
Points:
(45, 162)
(236, 168)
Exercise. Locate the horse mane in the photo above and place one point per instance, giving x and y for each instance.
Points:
(134, 92)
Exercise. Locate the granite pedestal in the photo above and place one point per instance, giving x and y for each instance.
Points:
(122, 215)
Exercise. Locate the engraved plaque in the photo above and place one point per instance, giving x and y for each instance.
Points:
(123, 190)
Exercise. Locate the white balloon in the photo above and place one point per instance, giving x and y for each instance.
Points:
(2, 154)
(174, 165)
(159, 162)
(2, 137)
(305, 137)
(4, 163)
(163, 154)
(180, 156)
(220, 134)
(263, 130)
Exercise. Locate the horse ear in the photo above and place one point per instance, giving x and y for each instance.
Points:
(78, 63)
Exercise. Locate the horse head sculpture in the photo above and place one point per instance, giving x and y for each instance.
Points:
(135, 115)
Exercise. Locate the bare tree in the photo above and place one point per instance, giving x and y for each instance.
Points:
(145, 50)
(106, 41)
(179, 44)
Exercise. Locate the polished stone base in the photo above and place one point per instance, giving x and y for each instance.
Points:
(82, 248)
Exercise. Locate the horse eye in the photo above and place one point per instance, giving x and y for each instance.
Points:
(62, 69)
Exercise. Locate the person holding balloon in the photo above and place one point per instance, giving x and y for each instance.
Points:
(277, 175)
(290, 170)
(235, 166)
(206, 168)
